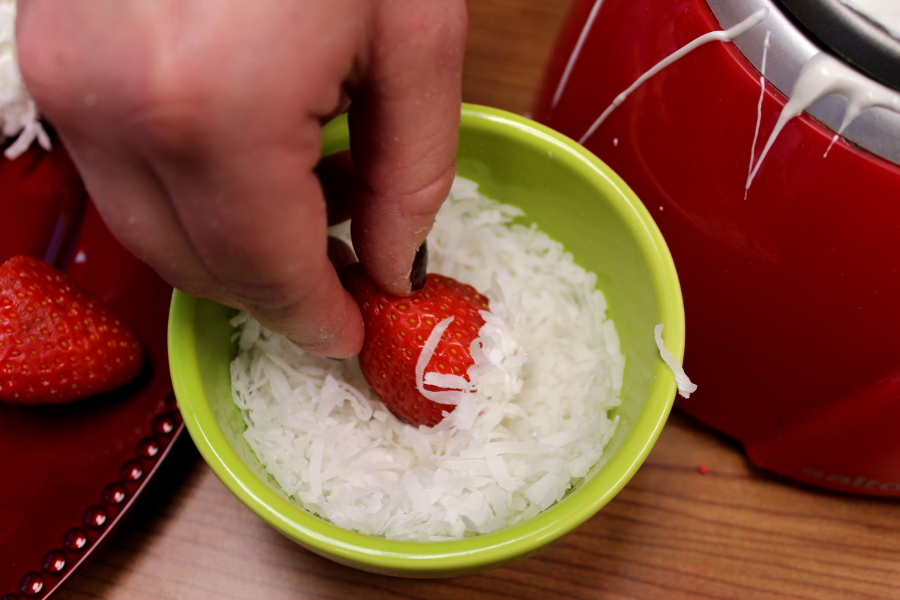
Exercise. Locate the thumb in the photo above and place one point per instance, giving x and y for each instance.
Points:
(404, 125)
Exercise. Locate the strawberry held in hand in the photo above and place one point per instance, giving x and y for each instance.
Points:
(56, 343)
(397, 330)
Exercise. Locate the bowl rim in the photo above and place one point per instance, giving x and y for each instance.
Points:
(484, 551)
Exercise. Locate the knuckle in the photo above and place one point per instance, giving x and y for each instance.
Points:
(170, 111)
(43, 70)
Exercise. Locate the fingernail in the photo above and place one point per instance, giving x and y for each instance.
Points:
(419, 268)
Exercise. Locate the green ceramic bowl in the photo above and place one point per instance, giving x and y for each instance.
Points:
(575, 199)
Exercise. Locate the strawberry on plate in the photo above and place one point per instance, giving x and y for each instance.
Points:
(397, 330)
(56, 343)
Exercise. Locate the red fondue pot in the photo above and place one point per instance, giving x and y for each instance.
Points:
(792, 293)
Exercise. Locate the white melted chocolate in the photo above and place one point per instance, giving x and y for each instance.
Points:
(822, 76)
(722, 36)
(884, 12)
(762, 94)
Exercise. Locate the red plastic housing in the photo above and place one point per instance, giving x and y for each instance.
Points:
(791, 294)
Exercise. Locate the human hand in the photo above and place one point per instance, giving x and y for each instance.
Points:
(196, 127)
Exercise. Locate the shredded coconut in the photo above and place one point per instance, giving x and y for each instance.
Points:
(18, 114)
(685, 386)
(451, 397)
(532, 422)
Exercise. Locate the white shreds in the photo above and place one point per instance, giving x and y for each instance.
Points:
(547, 369)
(686, 387)
(18, 114)
(451, 397)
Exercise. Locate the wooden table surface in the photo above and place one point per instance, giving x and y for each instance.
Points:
(734, 532)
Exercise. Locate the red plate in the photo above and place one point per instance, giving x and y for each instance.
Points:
(69, 473)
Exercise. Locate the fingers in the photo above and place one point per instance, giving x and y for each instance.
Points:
(404, 123)
(271, 257)
(136, 208)
(208, 173)
(255, 215)
(340, 254)
(340, 185)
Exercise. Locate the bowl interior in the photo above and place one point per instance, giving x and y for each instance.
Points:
(573, 198)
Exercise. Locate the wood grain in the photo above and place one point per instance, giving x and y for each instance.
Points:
(672, 533)
(509, 44)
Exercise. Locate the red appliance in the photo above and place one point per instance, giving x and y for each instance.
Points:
(792, 293)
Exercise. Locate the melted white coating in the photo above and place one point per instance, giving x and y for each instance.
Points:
(821, 76)
(722, 36)
(884, 12)
(576, 52)
(762, 94)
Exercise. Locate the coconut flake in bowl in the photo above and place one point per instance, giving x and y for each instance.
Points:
(547, 369)
(568, 403)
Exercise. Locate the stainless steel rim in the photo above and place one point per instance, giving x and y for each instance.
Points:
(877, 129)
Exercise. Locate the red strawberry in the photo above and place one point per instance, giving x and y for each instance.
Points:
(57, 344)
(396, 331)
